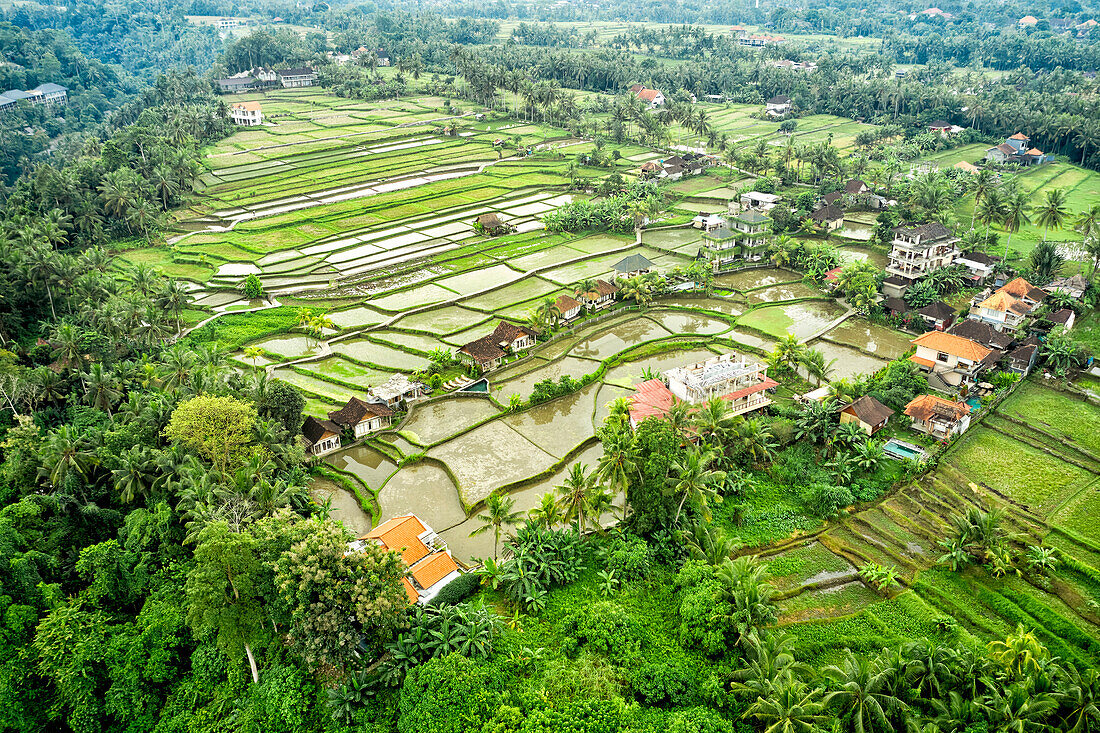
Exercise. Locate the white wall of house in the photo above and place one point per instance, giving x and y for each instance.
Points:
(327, 445)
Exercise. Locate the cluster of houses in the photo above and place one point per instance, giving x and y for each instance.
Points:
(677, 166)
(361, 417)
(429, 563)
(1017, 150)
(264, 78)
(789, 65)
(381, 56)
(49, 95)
(1062, 25)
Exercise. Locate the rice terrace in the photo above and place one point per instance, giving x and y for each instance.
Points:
(415, 373)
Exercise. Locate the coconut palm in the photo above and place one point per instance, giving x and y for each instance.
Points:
(793, 707)
(101, 388)
(813, 361)
(858, 690)
(63, 453)
(755, 438)
(574, 495)
(692, 478)
(619, 464)
(498, 514)
(546, 514)
(1014, 215)
(788, 352)
(679, 417)
(714, 421)
(1053, 212)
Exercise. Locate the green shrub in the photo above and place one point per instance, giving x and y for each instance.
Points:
(604, 628)
(448, 694)
(699, 720)
(589, 716)
(826, 500)
(628, 557)
(662, 682)
(457, 590)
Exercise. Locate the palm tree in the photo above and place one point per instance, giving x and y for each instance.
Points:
(679, 417)
(133, 477)
(813, 360)
(1014, 215)
(619, 464)
(65, 452)
(982, 183)
(794, 707)
(693, 478)
(574, 495)
(714, 420)
(1079, 695)
(1053, 212)
(548, 313)
(858, 690)
(498, 514)
(546, 514)
(756, 440)
(101, 389)
(788, 352)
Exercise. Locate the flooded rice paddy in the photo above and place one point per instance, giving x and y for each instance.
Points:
(849, 362)
(880, 340)
(431, 422)
(489, 457)
(801, 319)
(749, 279)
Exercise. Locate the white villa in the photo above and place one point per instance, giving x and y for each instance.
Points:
(396, 391)
(755, 200)
(740, 381)
(247, 114)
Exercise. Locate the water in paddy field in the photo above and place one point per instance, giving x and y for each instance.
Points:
(849, 362)
(370, 465)
(434, 421)
(872, 337)
(345, 507)
(749, 279)
(423, 489)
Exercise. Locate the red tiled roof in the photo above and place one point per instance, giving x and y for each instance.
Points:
(768, 383)
(410, 592)
(510, 332)
(650, 399)
(401, 534)
(1020, 136)
(433, 569)
(927, 406)
(566, 303)
(928, 363)
(648, 95)
(1021, 288)
(949, 343)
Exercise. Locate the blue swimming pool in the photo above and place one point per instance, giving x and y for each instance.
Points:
(900, 450)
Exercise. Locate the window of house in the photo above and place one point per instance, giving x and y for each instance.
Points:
(942, 357)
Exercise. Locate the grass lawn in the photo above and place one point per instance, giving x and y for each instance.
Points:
(1056, 413)
(1024, 473)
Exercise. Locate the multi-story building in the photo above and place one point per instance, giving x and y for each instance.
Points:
(246, 113)
(1007, 307)
(937, 417)
(740, 381)
(303, 77)
(919, 250)
(951, 360)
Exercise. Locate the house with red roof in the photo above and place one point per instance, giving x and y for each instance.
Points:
(425, 554)
(652, 97)
(739, 381)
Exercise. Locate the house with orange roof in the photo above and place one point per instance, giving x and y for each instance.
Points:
(1017, 149)
(652, 97)
(1007, 307)
(937, 417)
(568, 306)
(951, 360)
(247, 114)
(1028, 21)
(429, 562)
